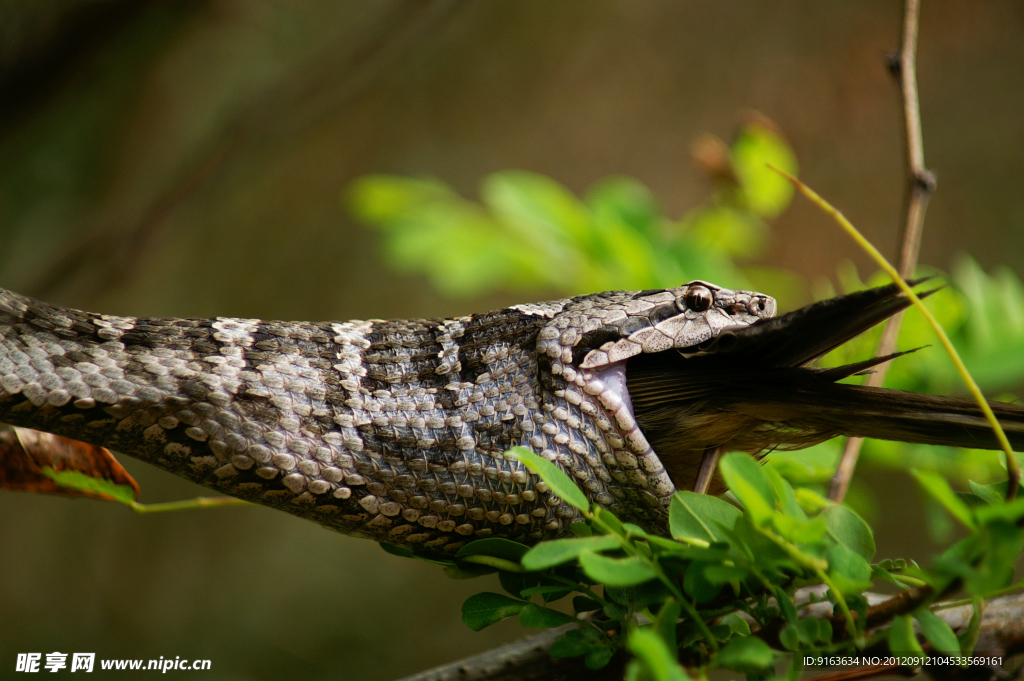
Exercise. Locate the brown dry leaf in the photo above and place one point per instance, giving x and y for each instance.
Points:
(33, 461)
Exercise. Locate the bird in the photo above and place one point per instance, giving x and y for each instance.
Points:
(397, 430)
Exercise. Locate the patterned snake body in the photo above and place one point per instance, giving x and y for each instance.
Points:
(393, 430)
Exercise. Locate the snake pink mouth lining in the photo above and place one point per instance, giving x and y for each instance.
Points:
(633, 456)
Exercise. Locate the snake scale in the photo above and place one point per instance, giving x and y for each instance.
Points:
(396, 430)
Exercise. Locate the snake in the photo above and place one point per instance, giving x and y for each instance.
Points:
(397, 430)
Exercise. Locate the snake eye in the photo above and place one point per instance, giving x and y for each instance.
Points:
(698, 298)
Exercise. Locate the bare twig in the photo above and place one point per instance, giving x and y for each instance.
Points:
(1001, 634)
(921, 185)
(527, 659)
(708, 465)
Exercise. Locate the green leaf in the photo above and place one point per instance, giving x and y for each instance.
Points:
(384, 198)
(902, 640)
(1007, 511)
(990, 494)
(557, 551)
(558, 482)
(747, 655)
(484, 609)
(406, 552)
(516, 582)
(596, 658)
(693, 516)
(666, 621)
(939, 489)
(581, 529)
(607, 518)
(616, 571)
(849, 570)
(468, 571)
(749, 483)
(789, 637)
(806, 531)
(938, 633)
(585, 604)
(576, 642)
(737, 625)
(506, 549)
(78, 480)
(697, 586)
(786, 605)
(849, 529)
(539, 617)
(531, 200)
(654, 656)
(788, 504)
(639, 596)
(724, 574)
(766, 192)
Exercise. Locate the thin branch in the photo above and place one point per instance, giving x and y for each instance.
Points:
(708, 465)
(527, 659)
(921, 185)
(1001, 634)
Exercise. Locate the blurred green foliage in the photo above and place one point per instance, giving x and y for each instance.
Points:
(530, 234)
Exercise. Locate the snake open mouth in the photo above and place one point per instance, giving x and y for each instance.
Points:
(631, 460)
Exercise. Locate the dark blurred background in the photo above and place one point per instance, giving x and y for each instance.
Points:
(187, 159)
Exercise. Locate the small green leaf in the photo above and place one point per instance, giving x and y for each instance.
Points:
(938, 633)
(81, 482)
(484, 609)
(557, 551)
(849, 570)
(737, 625)
(767, 193)
(693, 516)
(581, 529)
(1007, 511)
(516, 582)
(558, 482)
(697, 586)
(748, 482)
(576, 642)
(788, 503)
(596, 658)
(786, 604)
(747, 655)
(468, 571)
(654, 656)
(789, 637)
(605, 517)
(585, 604)
(724, 574)
(666, 621)
(806, 531)
(616, 571)
(988, 493)
(506, 549)
(939, 489)
(850, 530)
(539, 617)
(902, 640)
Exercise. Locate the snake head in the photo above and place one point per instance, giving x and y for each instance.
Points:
(605, 328)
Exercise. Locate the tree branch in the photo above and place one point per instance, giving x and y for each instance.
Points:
(921, 184)
(1001, 635)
